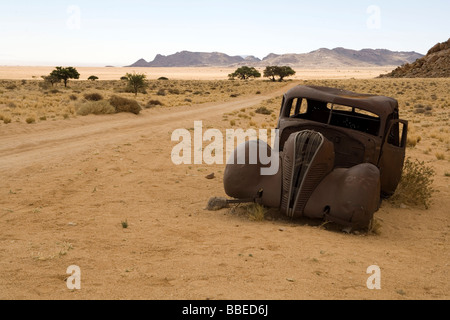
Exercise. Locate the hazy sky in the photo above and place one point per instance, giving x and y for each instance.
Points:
(119, 32)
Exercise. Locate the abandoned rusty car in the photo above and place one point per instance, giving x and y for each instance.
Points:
(340, 153)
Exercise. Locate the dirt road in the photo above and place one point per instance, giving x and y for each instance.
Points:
(67, 188)
(33, 144)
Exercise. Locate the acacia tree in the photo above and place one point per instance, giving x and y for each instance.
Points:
(285, 72)
(282, 72)
(136, 81)
(93, 78)
(65, 74)
(271, 72)
(245, 73)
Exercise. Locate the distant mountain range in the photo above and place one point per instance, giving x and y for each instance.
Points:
(322, 58)
(436, 64)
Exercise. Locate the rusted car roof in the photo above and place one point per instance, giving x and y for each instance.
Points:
(382, 106)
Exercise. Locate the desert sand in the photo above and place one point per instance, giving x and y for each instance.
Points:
(68, 186)
(207, 73)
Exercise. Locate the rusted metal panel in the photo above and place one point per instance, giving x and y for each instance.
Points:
(245, 181)
(347, 196)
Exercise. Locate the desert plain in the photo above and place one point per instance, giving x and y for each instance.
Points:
(100, 192)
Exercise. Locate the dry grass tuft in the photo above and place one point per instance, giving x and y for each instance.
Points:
(415, 188)
(125, 105)
(95, 107)
(263, 110)
(93, 96)
(256, 212)
(153, 103)
(30, 120)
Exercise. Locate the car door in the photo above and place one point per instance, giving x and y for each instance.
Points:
(393, 156)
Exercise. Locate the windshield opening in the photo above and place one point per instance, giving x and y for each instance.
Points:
(334, 114)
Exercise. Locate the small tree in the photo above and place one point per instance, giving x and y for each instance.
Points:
(93, 78)
(271, 72)
(245, 73)
(65, 74)
(282, 72)
(285, 72)
(137, 82)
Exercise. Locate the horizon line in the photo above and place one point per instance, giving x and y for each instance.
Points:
(99, 65)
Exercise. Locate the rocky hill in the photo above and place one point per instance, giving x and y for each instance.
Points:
(436, 64)
(322, 58)
(341, 57)
(190, 59)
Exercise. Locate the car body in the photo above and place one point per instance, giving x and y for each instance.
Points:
(363, 128)
(340, 153)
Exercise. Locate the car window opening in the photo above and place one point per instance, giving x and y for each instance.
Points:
(335, 115)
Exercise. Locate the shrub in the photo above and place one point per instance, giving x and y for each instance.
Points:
(73, 97)
(125, 105)
(161, 92)
(163, 78)
(174, 91)
(6, 120)
(415, 188)
(93, 96)
(263, 110)
(44, 85)
(153, 103)
(95, 107)
(413, 141)
(421, 109)
(30, 120)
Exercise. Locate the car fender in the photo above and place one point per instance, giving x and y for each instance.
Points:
(347, 196)
(243, 179)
